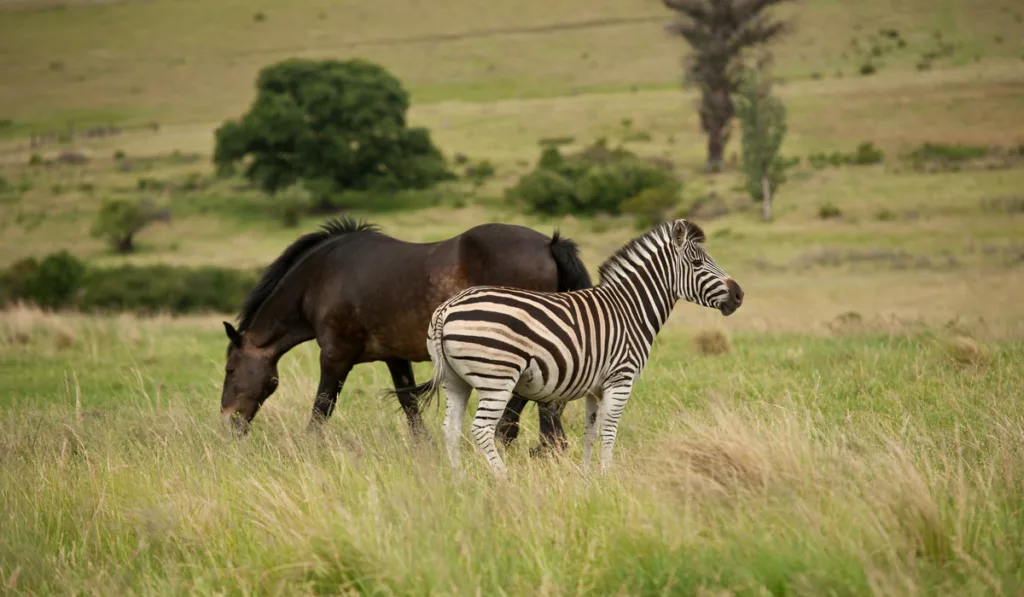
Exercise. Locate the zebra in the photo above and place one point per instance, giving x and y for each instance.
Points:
(556, 347)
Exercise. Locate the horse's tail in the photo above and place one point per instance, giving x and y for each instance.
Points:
(425, 392)
(572, 274)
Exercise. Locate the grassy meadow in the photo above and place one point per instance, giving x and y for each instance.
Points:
(856, 428)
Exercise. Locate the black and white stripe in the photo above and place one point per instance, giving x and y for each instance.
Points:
(551, 347)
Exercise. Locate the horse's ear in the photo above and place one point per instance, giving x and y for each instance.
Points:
(233, 335)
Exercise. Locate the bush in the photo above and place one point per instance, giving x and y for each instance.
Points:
(829, 211)
(651, 205)
(595, 180)
(61, 281)
(480, 172)
(885, 215)
(546, 191)
(291, 203)
(867, 154)
(156, 288)
(50, 283)
(946, 156)
(337, 122)
(119, 220)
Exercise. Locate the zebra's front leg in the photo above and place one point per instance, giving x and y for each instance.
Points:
(488, 412)
(612, 404)
(593, 404)
(456, 392)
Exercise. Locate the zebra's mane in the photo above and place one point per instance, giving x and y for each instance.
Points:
(654, 238)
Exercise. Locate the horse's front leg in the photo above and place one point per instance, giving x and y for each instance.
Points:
(334, 369)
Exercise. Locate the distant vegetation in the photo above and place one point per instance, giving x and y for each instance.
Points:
(598, 179)
(762, 119)
(119, 220)
(60, 280)
(335, 126)
(720, 33)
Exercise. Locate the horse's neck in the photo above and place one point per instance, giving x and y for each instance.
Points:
(281, 324)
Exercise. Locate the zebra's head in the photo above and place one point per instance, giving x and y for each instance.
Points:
(699, 279)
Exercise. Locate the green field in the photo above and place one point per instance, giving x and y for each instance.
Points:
(863, 434)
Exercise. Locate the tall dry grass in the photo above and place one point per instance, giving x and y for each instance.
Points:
(741, 499)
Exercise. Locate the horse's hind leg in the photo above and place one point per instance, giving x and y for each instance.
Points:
(508, 427)
(552, 435)
(402, 376)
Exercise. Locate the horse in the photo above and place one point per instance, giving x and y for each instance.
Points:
(365, 297)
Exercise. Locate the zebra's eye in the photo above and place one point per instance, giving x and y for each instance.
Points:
(697, 263)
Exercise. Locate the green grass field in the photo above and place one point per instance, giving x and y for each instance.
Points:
(862, 435)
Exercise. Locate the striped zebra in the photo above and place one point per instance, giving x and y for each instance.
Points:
(555, 347)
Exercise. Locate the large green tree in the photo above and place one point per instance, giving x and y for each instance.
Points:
(719, 33)
(333, 124)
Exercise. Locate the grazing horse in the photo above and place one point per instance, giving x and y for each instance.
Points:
(364, 297)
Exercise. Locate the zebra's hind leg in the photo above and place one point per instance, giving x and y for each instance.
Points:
(589, 428)
(612, 404)
(457, 391)
(488, 412)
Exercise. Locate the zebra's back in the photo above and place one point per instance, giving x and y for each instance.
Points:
(545, 346)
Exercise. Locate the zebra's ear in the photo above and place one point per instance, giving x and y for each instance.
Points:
(684, 232)
(680, 230)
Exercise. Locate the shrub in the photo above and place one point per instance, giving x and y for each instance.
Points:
(338, 122)
(119, 220)
(712, 342)
(61, 281)
(651, 204)
(867, 154)
(829, 211)
(546, 191)
(595, 180)
(480, 172)
(290, 203)
(556, 141)
(155, 288)
(150, 184)
(50, 283)
(885, 215)
(946, 155)
(868, 68)
(119, 155)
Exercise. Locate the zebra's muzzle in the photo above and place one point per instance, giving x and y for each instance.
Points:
(733, 300)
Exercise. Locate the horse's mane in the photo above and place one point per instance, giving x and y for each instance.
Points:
(290, 257)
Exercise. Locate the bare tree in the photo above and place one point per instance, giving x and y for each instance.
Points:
(718, 33)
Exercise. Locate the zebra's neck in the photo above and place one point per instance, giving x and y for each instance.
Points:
(641, 276)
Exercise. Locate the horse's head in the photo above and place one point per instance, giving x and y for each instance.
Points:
(250, 377)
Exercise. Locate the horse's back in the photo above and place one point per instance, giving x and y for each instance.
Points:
(507, 255)
(383, 290)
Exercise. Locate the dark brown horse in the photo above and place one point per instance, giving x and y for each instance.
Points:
(365, 297)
